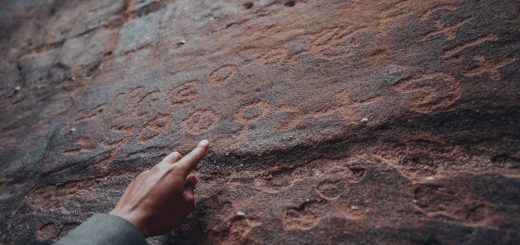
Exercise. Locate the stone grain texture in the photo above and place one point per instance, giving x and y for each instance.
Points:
(331, 122)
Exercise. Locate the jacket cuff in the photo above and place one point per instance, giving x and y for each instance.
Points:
(104, 229)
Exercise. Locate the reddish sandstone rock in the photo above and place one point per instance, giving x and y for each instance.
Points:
(354, 122)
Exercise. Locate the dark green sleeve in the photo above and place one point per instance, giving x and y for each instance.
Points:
(104, 229)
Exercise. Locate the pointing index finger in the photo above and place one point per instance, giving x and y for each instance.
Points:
(190, 161)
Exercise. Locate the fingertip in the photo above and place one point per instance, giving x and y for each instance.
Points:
(204, 143)
(191, 160)
(176, 154)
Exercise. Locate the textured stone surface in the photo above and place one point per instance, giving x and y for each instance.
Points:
(355, 121)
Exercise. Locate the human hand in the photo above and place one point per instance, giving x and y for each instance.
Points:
(159, 199)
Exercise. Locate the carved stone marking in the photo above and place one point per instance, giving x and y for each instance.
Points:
(122, 136)
(273, 57)
(200, 121)
(435, 200)
(397, 9)
(303, 217)
(277, 179)
(433, 91)
(241, 226)
(332, 43)
(135, 94)
(376, 56)
(154, 127)
(88, 114)
(118, 105)
(135, 103)
(184, 93)
(345, 108)
(328, 189)
(293, 117)
(430, 12)
(223, 75)
(146, 103)
(119, 134)
(247, 114)
(453, 51)
(252, 111)
(485, 66)
(449, 31)
(394, 12)
(83, 144)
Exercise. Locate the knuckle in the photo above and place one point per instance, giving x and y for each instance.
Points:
(188, 196)
(173, 171)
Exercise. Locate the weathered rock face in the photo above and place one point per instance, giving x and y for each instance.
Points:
(357, 121)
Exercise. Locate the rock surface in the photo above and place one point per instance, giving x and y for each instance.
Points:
(356, 122)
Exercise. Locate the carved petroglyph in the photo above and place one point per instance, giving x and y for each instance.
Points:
(345, 108)
(83, 144)
(438, 201)
(430, 12)
(397, 9)
(89, 114)
(117, 106)
(200, 121)
(375, 56)
(273, 57)
(223, 75)
(488, 67)
(392, 13)
(240, 227)
(116, 134)
(119, 136)
(154, 127)
(248, 114)
(302, 217)
(329, 189)
(251, 112)
(432, 91)
(146, 103)
(293, 117)
(184, 93)
(475, 42)
(449, 31)
(52, 196)
(332, 43)
(137, 102)
(329, 43)
(135, 94)
(280, 178)
(276, 179)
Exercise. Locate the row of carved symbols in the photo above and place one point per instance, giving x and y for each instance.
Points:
(223, 75)
(344, 108)
(140, 101)
(430, 91)
(488, 67)
(484, 65)
(247, 114)
(330, 43)
(200, 121)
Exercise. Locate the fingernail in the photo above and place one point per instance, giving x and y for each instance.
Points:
(203, 143)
